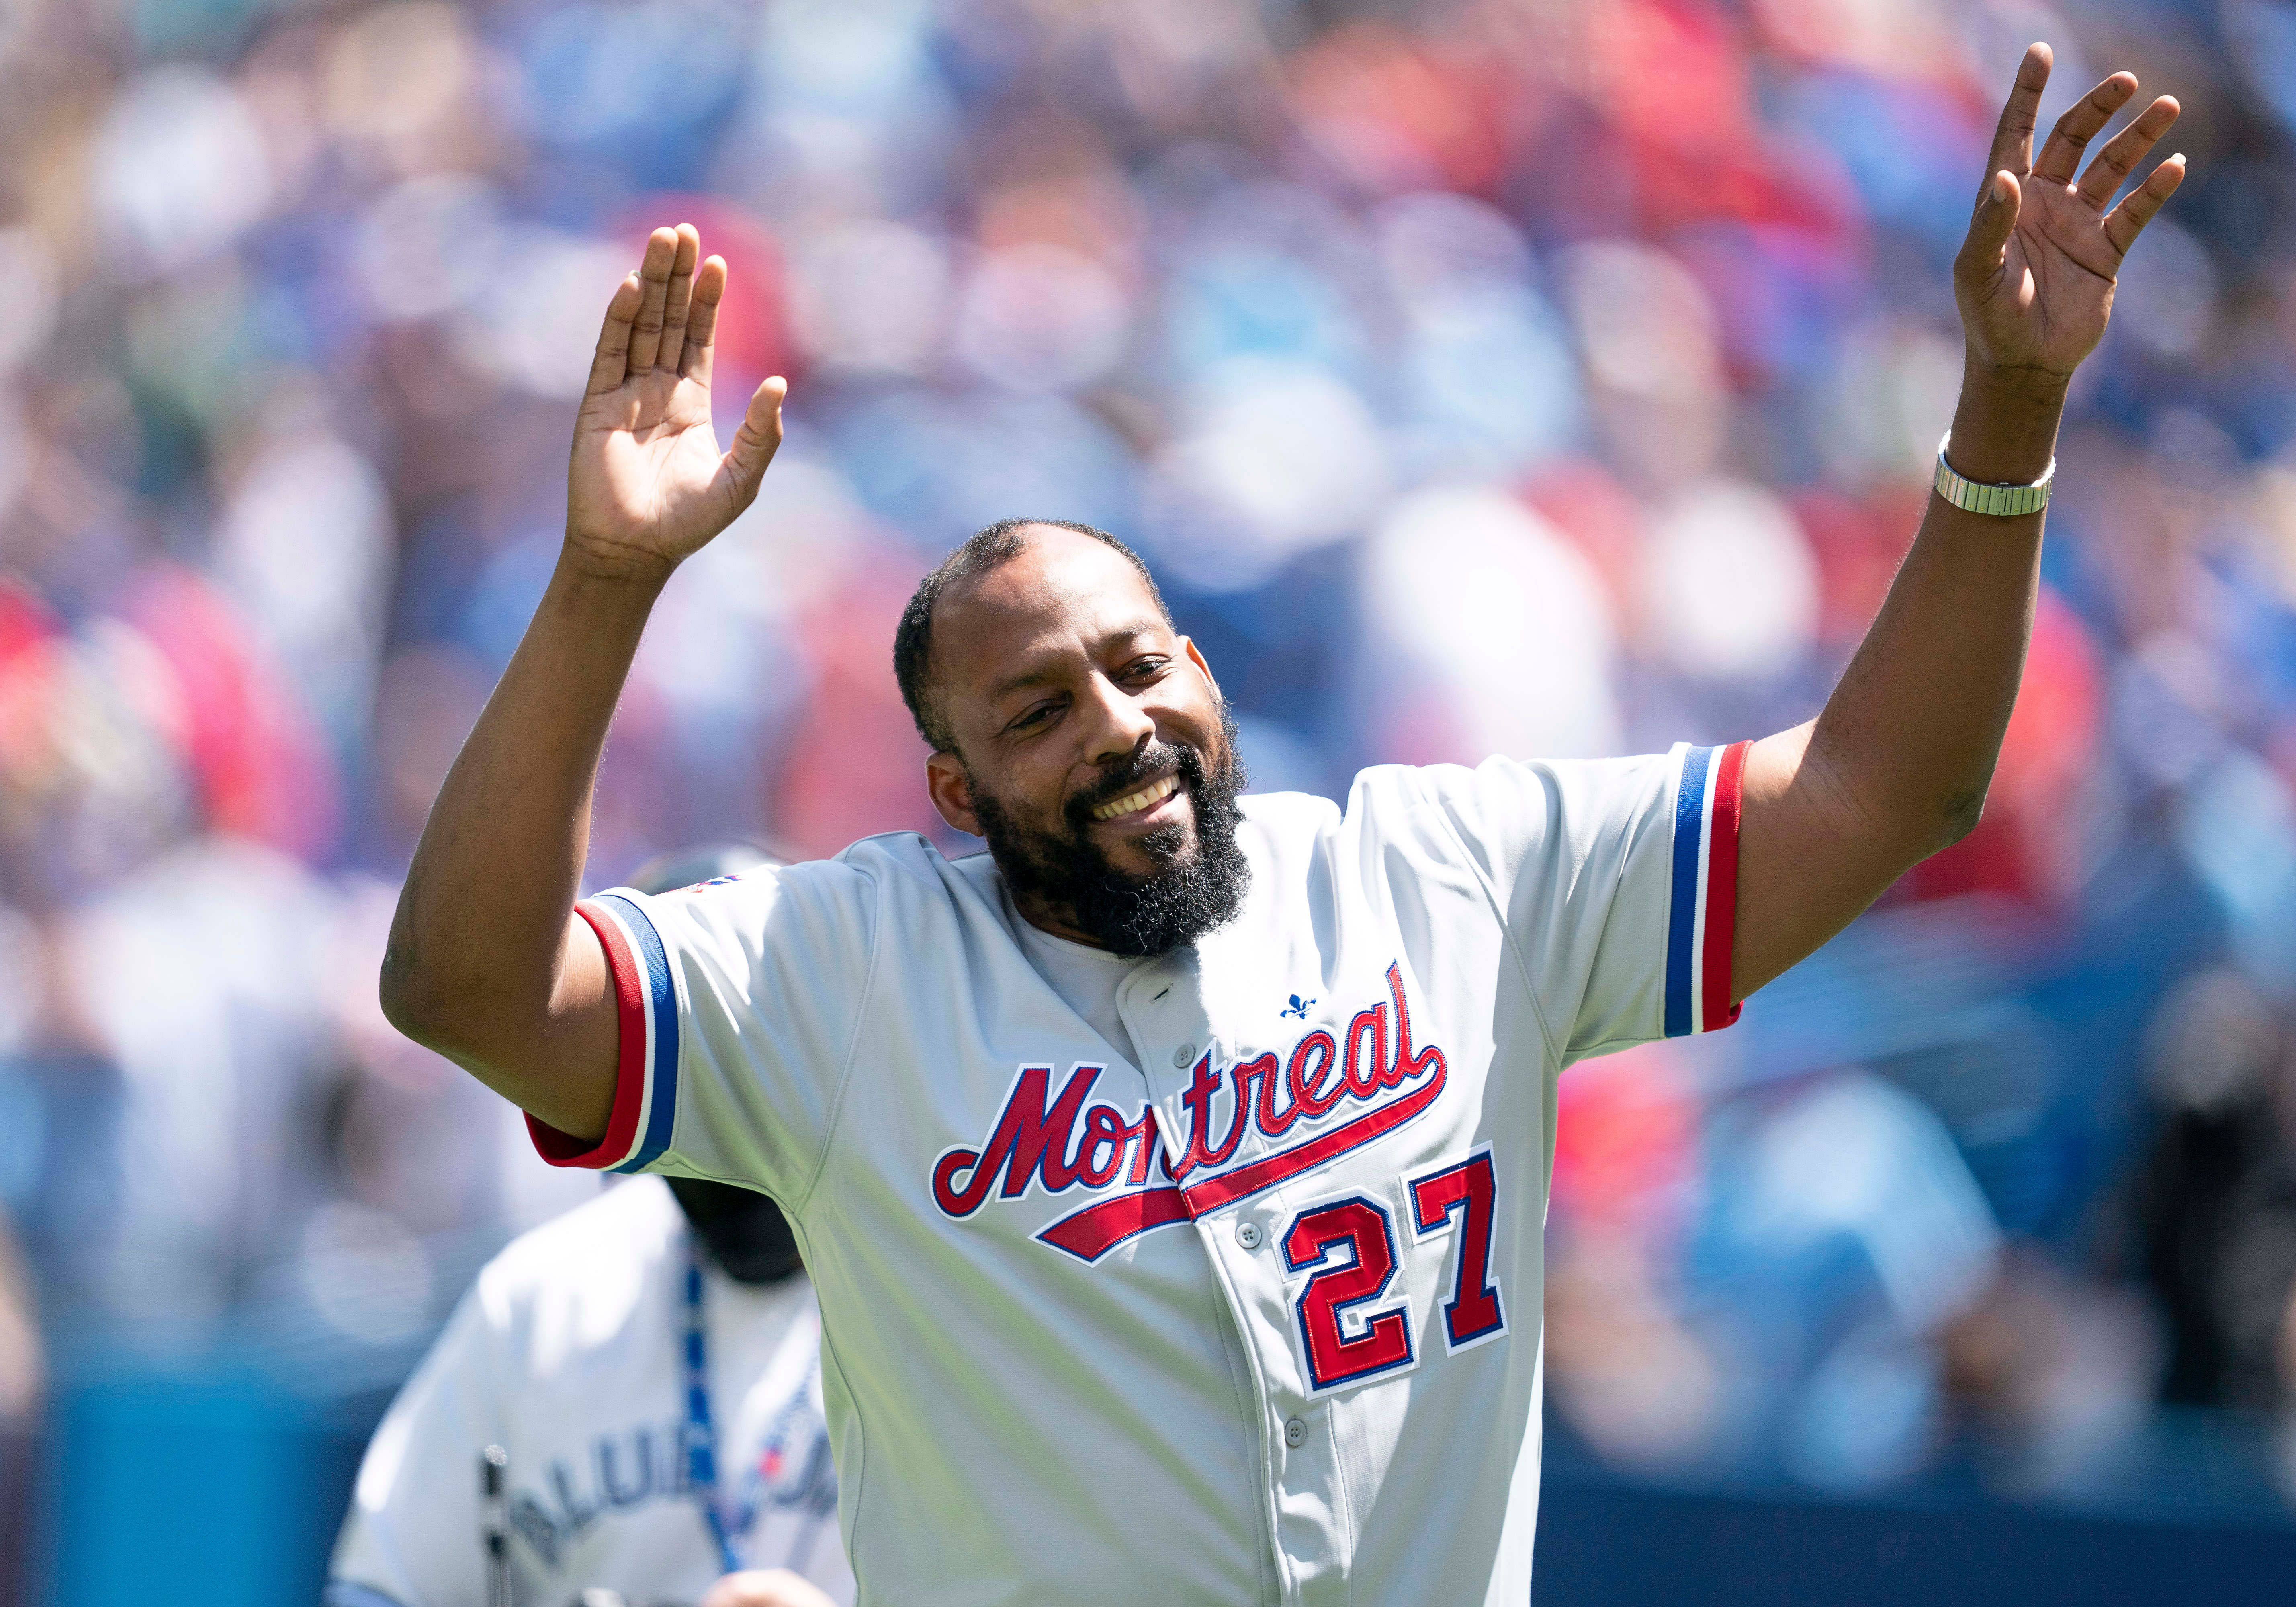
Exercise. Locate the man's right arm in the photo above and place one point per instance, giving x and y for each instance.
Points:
(487, 963)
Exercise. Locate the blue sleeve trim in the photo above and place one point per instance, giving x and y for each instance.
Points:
(1682, 917)
(663, 1027)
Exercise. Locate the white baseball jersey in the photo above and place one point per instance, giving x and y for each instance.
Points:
(1253, 1315)
(569, 1353)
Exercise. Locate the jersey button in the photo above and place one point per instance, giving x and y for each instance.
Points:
(1295, 1433)
(1247, 1233)
(1182, 1055)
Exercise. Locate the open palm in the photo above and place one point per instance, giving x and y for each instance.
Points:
(2035, 279)
(647, 485)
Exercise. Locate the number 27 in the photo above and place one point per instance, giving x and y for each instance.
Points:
(1463, 1194)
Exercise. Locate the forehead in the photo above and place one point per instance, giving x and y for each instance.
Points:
(1061, 592)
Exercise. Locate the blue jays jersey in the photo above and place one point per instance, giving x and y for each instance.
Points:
(1249, 1313)
(568, 1353)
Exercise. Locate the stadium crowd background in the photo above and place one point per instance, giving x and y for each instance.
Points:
(1549, 376)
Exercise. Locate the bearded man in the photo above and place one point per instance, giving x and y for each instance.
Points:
(1172, 1174)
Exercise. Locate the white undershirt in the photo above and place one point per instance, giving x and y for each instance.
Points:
(1087, 978)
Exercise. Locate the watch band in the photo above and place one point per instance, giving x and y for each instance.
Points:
(1999, 501)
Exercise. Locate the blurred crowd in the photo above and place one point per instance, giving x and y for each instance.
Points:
(1554, 377)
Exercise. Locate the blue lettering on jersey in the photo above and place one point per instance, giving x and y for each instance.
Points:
(647, 1462)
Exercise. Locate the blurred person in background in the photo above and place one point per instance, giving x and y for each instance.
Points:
(651, 1363)
(2212, 1205)
(1770, 1272)
(1076, 730)
(2047, 1376)
(1775, 1297)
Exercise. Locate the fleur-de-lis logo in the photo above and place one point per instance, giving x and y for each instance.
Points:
(1299, 1007)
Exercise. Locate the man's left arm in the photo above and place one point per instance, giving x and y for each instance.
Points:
(1896, 766)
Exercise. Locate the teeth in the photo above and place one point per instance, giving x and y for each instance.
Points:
(1153, 792)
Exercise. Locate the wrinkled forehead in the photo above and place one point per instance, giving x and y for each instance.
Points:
(1061, 596)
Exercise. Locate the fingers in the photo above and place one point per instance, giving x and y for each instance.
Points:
(2012, 137)
(610, 366)
(679, 298)
(756, 441)
(2061, 156)
(1988, 231)
(701, 327)
(2125, 221)
(2124, 150)
(653, 275)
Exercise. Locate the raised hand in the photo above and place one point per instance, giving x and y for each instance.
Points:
(647, 485)
(2035, 279)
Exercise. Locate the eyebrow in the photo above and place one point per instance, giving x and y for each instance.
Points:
(1012, 684)
(1050, 669)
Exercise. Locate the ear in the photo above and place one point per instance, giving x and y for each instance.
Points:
(951, 793)
(1195, 657)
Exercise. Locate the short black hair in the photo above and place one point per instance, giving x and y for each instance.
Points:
(982, 551)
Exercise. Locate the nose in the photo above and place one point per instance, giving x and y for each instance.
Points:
(1120, 725)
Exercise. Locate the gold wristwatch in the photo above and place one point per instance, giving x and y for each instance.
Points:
(2000, 501)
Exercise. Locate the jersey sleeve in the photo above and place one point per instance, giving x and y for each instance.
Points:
(412, 1535)
(1618, 882)
(738, 1002)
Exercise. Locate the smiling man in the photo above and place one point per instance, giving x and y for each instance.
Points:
(1172, 1176)
(1140, 855)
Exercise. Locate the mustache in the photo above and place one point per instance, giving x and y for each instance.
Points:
(1180, 897)
(1145, 764)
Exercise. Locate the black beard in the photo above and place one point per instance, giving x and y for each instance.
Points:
(1135, 916)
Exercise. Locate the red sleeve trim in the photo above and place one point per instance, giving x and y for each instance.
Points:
(1718, 1009)
(627, 981)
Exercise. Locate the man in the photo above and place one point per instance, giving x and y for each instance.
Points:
(1172, 1176)
(651, 1362)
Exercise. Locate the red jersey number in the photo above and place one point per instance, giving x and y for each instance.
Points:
(1463, 1196)
(1353, 1243)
